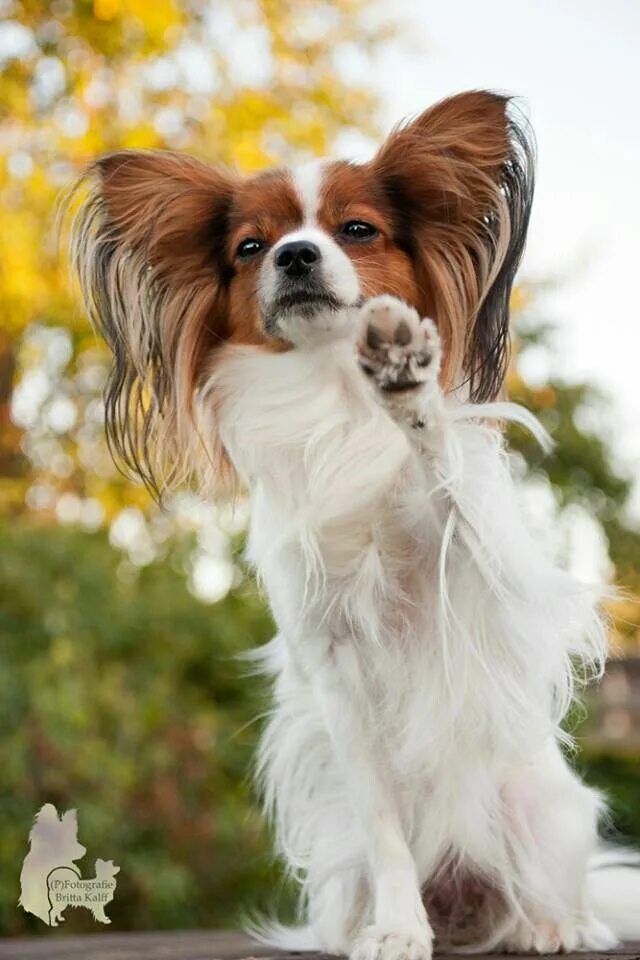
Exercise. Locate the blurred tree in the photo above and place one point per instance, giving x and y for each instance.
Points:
(121, 696)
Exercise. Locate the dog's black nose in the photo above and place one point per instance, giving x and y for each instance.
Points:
(297, 258)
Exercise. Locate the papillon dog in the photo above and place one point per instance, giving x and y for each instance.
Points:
(273, 333)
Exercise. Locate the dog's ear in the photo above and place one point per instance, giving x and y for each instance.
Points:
(149, 246)
(70, 819)
(460, 181)
(47, 814)
(168, 206)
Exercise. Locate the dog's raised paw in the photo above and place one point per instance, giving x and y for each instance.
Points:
(397, 349)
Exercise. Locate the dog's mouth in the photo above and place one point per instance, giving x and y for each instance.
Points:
(304, 304)
(308, 299)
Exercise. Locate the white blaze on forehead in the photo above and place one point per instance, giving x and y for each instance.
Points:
(334, 271)
(307, 182)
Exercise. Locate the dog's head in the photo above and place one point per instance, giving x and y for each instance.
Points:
(55, 838)
(177, 258)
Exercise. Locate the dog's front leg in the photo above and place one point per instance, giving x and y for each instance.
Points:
(400, 928)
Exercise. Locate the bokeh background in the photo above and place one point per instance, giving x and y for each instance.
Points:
(120, 689)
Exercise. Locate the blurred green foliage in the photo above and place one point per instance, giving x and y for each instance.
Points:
(618, 776)
(123, 696)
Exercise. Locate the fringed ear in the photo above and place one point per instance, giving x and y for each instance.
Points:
(149, 248)
(460, 180)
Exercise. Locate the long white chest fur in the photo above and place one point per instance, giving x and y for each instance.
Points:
(408, 570)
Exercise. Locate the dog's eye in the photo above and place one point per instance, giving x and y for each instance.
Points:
(358, 230)
(249, 248)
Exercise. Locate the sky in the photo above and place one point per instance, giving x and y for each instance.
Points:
(575, 64)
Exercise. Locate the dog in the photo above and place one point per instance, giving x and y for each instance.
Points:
(273, 333)
(53, 843)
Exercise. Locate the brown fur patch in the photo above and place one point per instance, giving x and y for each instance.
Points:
(265, 207)
(352, 192)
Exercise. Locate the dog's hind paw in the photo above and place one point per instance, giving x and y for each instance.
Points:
(397, 349)
(566, 936)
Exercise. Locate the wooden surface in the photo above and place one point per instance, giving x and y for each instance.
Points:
(194, 945)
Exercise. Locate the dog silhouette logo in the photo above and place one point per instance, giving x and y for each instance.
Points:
(50, 881)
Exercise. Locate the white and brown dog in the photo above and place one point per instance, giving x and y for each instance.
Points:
(271, 330)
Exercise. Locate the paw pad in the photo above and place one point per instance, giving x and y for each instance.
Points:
(397, 349)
